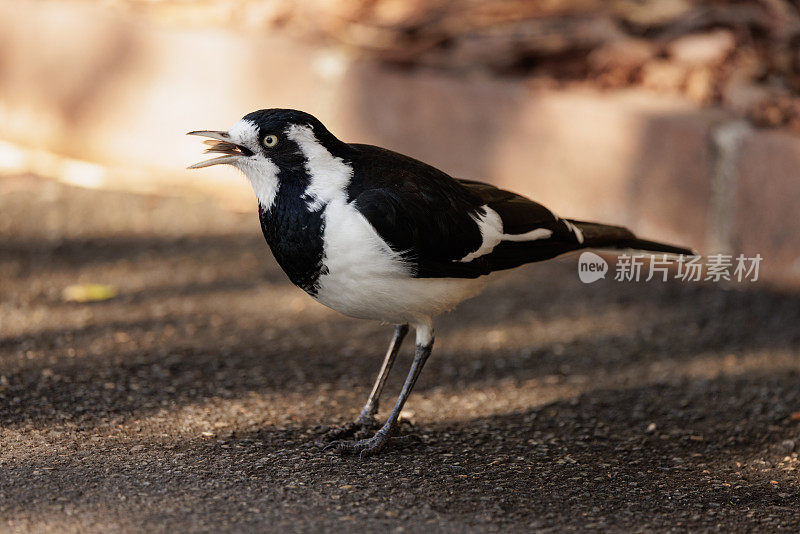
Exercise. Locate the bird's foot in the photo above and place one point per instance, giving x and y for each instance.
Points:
(362, 447)
(367, 446)
(361, 428)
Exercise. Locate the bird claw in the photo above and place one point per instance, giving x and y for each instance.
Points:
(360, 428)
(371, 445)
(362, 447)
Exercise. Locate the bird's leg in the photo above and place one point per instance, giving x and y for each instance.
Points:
(371, 407)
(366, 421)
(366, 447)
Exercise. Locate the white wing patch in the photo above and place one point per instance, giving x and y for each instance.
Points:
(491, 227)
(533, 235)
(329, 174)
(574, 229)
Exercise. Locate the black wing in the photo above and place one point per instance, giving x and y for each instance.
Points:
(520, 216)
(431, 218)
(418, 210)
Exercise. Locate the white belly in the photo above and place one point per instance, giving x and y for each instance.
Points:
(366, 279)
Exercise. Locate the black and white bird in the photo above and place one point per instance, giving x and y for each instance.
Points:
(374, 234)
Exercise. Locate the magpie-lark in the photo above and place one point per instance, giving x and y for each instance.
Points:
(378, 235)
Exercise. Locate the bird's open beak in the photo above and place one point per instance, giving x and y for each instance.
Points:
(219, 143)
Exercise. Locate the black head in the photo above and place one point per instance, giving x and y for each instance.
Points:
(271, 135)
(280, 149)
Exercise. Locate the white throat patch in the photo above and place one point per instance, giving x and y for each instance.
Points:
(261, 171)
(329, 175)
(263, 176)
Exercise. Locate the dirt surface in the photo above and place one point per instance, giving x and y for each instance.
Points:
(194, 401)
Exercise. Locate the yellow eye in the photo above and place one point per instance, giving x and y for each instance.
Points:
(270, 140)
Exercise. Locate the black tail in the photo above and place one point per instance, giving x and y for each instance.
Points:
(606, 236)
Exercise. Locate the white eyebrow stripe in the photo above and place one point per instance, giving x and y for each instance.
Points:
(244, 132)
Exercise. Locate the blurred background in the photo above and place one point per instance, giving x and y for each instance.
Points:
(148, 340)
(678, 118)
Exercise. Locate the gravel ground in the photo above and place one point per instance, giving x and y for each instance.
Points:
(195, 400)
